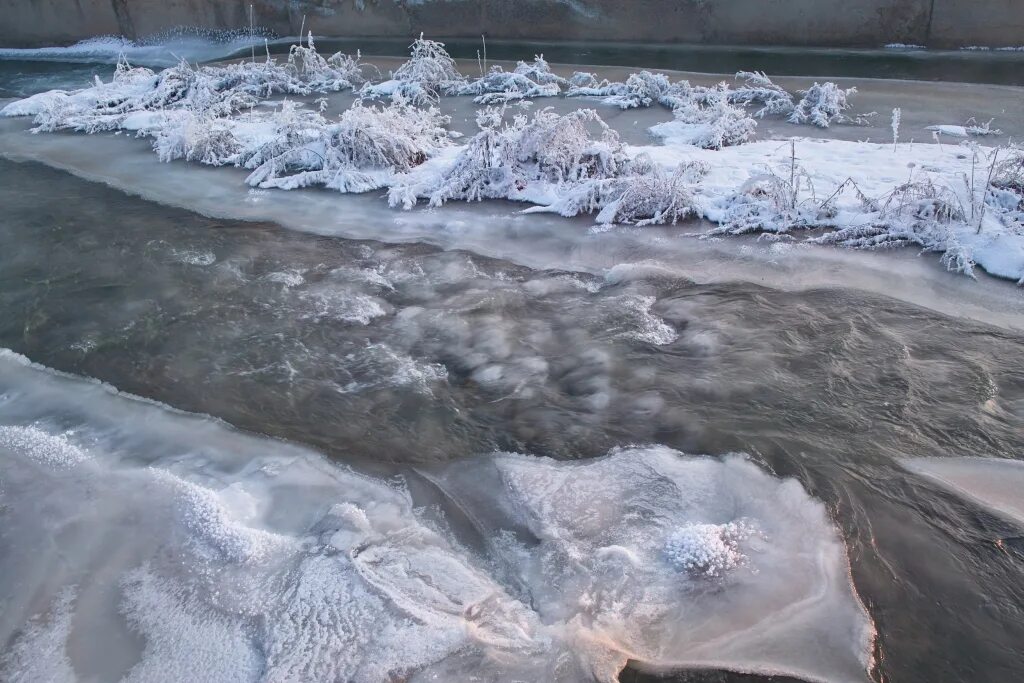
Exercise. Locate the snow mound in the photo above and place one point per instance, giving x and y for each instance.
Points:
(249, 556)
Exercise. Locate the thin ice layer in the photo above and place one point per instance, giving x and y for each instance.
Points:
(167, 546)
(997, 485)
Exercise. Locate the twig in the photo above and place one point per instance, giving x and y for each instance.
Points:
(988, 183)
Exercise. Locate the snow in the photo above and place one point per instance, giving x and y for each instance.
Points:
(852, 194)
(250, 557)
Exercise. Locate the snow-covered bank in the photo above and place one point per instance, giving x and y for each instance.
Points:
(269, 559)
(964, 202)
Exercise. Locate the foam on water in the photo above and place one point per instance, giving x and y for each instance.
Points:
(236, 558)
(997, 485)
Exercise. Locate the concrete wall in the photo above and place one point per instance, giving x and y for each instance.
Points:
(936, 23)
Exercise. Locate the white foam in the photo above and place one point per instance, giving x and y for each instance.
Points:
(233, 556)
(162, 50)
(995, 484)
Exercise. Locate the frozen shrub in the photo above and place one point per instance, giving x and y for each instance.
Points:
(823, 104)
(337, 72)
(970, 128)
(1008, 174)
(201, 138)
(923, 200)
(504, 160)
(526, 81)
(642, 89)
(653, 198)
(647, 195)
(362, 151)
(213, 91)
(429, 73)
(712, 125)
(758, 88)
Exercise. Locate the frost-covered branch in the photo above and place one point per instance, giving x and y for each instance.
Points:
(528, 80)
(528, 156)
(758, 88)
(429, 73)
(823, 104)
(710, 123)
(207, 91)
(362, 151)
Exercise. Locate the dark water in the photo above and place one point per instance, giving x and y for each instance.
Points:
(23, 78)
(386, 356)
(984, 66)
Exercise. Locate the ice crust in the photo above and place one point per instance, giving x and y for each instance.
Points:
(997, 485)
(236, 558)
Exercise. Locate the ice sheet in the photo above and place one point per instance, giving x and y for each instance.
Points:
(142, 544)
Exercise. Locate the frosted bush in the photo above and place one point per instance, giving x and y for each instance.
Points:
(1008, 174)
(429, 73)
(337, 72)
(823, 104)
(526, 81)
(647, 195)
(708, 551)
(758, 88)
(201, 138)
(715, 124)
(213, 91)
(654, 198)
(504, 160)
(639, 90)
(360, 152)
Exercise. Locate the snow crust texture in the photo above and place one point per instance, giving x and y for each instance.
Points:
(147, 544)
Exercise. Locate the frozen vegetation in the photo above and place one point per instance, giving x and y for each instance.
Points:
(963, 202)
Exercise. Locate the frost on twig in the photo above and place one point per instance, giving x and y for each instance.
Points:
(648, 195)
(710, 123)
(823, 104)
(506, 160)
(528, 80)
(758, 88)
(183, 134)
(362, 151)
(206, 91)
(970, 128)
(429, 73)
(654, 198)
(642, 89)
(915, 213)
(337, 72)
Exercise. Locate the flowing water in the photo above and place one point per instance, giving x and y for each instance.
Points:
(417, 369)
